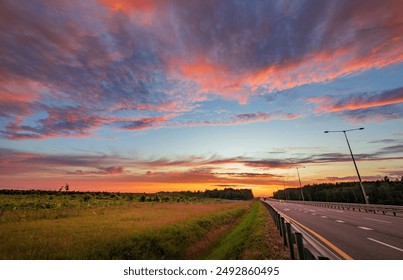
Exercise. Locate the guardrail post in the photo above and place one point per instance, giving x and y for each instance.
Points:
(300, 245)
(290, 243)
(275, 219)
(284, 231)
(281, 220)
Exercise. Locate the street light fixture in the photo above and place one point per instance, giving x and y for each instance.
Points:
(352, 156)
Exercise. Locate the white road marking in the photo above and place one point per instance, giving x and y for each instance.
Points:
(365, 228)
(385, 244)
(378, 220)
(286, 209)
(340, 221)
(313, 214)
(324, 217)
(333, 210)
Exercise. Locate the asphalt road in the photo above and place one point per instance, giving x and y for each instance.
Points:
(363, 236)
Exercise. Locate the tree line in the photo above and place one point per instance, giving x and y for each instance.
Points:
(227, 193)
(379, 192)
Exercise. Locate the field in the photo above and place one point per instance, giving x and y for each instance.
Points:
(60, 225)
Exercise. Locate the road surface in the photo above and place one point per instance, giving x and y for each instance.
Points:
(363, 236)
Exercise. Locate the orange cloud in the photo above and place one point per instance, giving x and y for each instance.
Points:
(212, 77)
(316, 67)
(357, 101)
(131, 5)
(325, 66)
(142, 11)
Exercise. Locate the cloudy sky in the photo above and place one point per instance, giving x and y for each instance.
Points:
(145, 96)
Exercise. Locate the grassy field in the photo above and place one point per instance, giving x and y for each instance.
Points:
(121, 227)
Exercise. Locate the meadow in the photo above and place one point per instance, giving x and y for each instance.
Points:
(61, 225)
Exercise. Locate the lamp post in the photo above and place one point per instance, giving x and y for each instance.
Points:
(352, 156)
(300, 185)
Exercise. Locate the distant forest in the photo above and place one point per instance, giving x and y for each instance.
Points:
(379, 192)
(227, 193)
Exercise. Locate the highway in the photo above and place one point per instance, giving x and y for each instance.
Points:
(362, 236)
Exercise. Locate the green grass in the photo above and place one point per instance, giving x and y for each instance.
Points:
(254, 237)
(60, 225)
(135, 231)
(13, 200)
(171, 242)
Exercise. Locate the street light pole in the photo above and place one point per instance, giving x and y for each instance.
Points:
(352, 156)
(300, 185)
(285, 193)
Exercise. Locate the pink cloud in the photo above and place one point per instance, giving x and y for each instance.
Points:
(357, 101)
(107, 57)
(212, 78)
(325, 66)
(143, 123)
(362, 107)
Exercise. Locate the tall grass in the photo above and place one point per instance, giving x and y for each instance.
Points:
(137, 231)
(171, 242)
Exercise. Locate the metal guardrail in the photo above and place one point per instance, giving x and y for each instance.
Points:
(308, 247)
(295, 237)
(368, 208)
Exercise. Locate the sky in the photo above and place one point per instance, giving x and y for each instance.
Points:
(148, 96)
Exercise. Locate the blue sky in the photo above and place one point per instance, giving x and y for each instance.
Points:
(145, 96)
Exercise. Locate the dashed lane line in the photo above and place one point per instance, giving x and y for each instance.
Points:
(321, 238)
(365, 228)
(385, 244)
(381, 221)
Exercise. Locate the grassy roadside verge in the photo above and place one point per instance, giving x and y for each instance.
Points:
(255, 237)
(172, 242)
(220, 230)
(139, 231)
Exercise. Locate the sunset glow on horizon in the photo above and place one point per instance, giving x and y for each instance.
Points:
(147, 96)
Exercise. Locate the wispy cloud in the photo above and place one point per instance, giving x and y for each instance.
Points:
(361, 107)
(358, 101)
(16, 162)
(154, 59)
(112, 170)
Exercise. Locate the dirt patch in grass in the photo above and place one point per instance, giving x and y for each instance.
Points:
(255, 237)
(201, 247)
